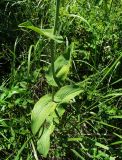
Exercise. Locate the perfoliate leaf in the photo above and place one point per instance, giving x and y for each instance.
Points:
(43, 143)
(41, 111)
(44, 32)
(61, 67)
(67, 93)
(56, 115)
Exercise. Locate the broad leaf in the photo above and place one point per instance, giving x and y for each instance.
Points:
(43, 143)
(67, 93)
(61, 67)
(44, 32)
(41, 111)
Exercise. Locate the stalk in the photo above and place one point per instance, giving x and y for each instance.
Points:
(56, 16)
(53, 44)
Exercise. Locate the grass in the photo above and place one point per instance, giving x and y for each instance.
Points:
(91, 126)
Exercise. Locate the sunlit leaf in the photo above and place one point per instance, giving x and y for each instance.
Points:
(79, 17)
(56, 115)
(75, 139)
(43, 143)
(117, 142)
(3, 123)
(61, 67)
(44, 32)
(102, 146)
(116, 117)
(67, 93)
(41, 111)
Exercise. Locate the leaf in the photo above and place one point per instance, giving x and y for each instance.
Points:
(61, 66)
(113, 95)
(102, 146)
(66, 93)
(108, 69)
(116, 143)
(110, 125)
(120, 136)
(56, 115)
(41, 111)
(43, 143)
(44, 32)
(98, 2)
(77, 154)
(29, 59)
(61, 70)
(3, 123)
(75, 139)
(115, 117)
(79, 17)
(17, 157)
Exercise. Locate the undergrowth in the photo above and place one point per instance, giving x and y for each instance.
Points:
(90, 127)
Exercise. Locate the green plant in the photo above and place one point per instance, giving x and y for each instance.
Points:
(85, 61)
(48, 109)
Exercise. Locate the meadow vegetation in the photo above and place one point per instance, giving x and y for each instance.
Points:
(61, 79)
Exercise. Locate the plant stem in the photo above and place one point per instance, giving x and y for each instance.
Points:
(56, 16)
(54, 47)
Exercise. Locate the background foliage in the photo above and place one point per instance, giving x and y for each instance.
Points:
(91, 126)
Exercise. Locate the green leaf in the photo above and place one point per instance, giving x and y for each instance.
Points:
(109, 125)
(67, 93)
(41, 111)
(3, 123)
(44, 32)
(43, 143)
(102, 146)
(56, 115)
(77, 154)
(17, 157)
(116, 143)
(61, 70)
(116, 117)
(120, 136)
(79, 17)
(61, 66)
(75, 139)
(113, 95)
(108, 69)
